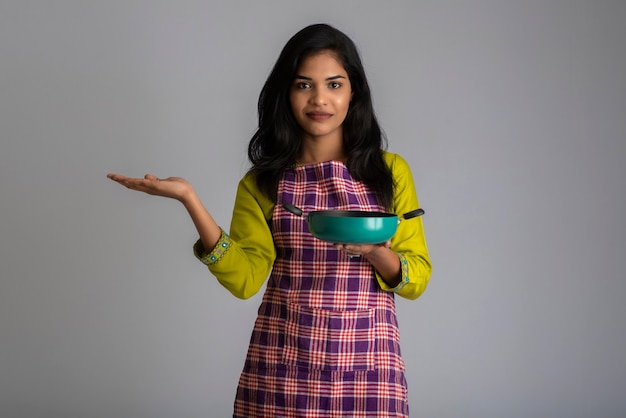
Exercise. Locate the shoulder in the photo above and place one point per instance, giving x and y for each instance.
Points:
(248, 181)
(397, 164)
(248, 189)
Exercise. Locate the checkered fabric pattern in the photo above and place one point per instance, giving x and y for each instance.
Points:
(326, 340)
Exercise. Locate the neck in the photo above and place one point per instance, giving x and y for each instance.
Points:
(315, 151)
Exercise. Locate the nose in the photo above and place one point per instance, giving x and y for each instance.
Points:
(318, 96)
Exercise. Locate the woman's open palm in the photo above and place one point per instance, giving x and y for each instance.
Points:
(172, 187)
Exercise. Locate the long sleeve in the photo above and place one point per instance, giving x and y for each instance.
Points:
(243, 259)
(409, 241)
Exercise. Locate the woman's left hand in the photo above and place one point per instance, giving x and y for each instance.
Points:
(355, 250)
(380, 256)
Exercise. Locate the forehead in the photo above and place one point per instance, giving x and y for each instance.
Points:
(324, 61)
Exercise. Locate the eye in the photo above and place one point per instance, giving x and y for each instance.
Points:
(334, 84)
(302, 85)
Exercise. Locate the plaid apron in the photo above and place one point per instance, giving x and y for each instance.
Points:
(326, 339)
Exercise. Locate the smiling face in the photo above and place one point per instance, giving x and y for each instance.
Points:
(320, 97)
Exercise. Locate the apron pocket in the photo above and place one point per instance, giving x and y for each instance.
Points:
(321, 339)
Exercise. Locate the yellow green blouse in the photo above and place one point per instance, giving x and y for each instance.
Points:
(242, 260)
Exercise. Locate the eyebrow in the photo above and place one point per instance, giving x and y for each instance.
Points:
(335, 77)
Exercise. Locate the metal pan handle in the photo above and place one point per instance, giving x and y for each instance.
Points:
(413, 214)
(293, 209)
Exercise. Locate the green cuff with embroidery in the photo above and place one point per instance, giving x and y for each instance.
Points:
(218, 252)
(404, 267)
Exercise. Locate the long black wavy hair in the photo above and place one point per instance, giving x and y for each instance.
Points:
(276, 144)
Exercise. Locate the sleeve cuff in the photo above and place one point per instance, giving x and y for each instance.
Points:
(404, 269)
(215, 255)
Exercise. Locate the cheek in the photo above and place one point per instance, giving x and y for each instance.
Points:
(295, 103)
(345, 103)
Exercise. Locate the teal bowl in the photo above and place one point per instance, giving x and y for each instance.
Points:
(352, 226)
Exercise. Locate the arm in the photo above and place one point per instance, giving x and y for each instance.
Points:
(402, 265)
(409, 242)
(241, 261)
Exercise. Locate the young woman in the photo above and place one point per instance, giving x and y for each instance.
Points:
(326, 340)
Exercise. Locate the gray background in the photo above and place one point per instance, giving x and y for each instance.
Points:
(512, 115)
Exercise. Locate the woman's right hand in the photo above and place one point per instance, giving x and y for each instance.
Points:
(173, 187)
(181, 190)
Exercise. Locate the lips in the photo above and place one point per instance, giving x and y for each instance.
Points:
(318, 116)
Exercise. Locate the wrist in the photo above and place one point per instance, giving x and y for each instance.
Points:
(387, 264)
(188, 197)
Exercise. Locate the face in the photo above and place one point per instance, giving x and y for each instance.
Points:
(320, 96)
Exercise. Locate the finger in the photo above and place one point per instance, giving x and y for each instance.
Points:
(353, 249)
(150, 177)
(118, 178)
(123, 179)
(115, 177)
(131, 183)
(341, 247)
